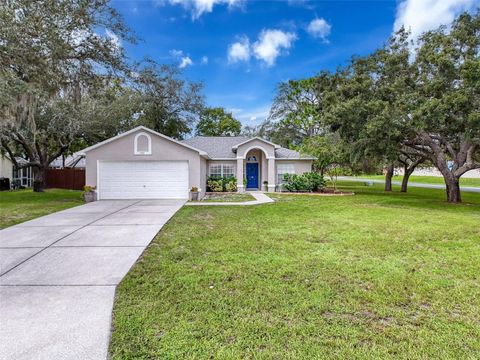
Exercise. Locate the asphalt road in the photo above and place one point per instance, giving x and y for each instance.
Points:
(414, 184)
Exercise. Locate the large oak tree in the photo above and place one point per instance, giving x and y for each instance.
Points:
(51, 54)
(445, 122)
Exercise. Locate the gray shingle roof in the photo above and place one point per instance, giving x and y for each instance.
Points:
(283, 153)
(220, 147)
(216, 146)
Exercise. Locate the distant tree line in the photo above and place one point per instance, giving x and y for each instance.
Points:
(411, 102)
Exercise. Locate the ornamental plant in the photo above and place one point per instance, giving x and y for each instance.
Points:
(222, 184)
(305, 182)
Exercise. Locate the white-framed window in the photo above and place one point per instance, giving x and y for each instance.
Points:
(143, 144)
(283, 169)
(24, 176)
(221, 170)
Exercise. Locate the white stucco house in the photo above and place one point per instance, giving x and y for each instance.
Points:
(142, 163)
(6, 167)
(23, 176)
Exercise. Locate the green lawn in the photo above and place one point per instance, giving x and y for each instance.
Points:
(22, 205)
(370, 276)
(426, 179)
(228, 197)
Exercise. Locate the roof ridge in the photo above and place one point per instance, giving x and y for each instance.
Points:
(220, 136)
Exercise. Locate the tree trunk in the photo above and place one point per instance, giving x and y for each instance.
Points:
(388, 178)
(406, 176)
(404, 186)
(39, 179)
(453, 190)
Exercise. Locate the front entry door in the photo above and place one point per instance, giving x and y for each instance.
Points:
(252, 175)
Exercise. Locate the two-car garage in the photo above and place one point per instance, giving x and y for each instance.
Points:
(144, 164)
(142, 180)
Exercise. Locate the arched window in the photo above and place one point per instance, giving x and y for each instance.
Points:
(143, 144)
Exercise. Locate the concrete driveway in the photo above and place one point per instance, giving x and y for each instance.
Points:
(58, 275)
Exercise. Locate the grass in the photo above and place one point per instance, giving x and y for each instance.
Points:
(370, 276)
(426, 180)
(228, 197)
(22, 205)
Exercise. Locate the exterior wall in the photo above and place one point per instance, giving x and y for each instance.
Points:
(203, 177)
(263, 169)
(301, 166)
(255, 144)
(6, 167)
(122, 149)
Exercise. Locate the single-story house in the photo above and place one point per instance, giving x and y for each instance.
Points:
(142, 163)
(23, 176)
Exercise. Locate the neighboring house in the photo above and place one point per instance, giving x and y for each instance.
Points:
(6, 167)
(8, 170)
(142, 163)
(70, 161)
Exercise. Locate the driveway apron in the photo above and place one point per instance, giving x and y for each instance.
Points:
(58, 275)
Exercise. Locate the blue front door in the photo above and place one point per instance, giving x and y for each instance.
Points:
(252, 175)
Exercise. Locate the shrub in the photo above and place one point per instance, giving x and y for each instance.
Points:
(305, 182)
(231, 185)
(222, 184)
(215, 185)
(88, 188)
(315, 181)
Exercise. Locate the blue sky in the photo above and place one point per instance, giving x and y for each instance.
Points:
(242, 49)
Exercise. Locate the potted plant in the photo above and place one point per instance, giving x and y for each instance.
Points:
(194, 193)
(265, 186)
(89, 193)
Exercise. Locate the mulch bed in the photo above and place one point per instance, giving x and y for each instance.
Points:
(324, 192)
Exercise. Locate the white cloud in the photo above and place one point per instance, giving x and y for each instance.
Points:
(175, 53)
(114, 38)
(199, 7)
(204, 60)
(302, 3)
(319, 28)
(186, 61)
(239, 51)
(419, 16)
(272, 43)
(252, 116)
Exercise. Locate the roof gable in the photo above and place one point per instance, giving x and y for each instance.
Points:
(142, 128)
(255, 138)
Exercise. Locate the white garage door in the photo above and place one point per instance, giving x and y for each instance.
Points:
(143, 180)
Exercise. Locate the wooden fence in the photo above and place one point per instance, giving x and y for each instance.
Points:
(73, 178)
